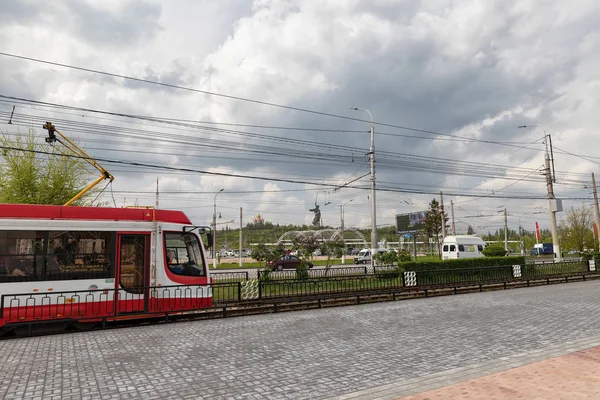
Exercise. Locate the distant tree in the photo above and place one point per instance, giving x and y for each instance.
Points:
(470, 230)
(575, 231)
(433, 222)
(27, 176)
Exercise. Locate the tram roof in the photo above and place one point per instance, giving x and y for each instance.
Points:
(35, 211)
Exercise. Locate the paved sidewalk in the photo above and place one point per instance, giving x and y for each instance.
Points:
(389, 349)
(522, 376)
(572, 376)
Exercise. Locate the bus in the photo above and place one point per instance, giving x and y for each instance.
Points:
(82, 265)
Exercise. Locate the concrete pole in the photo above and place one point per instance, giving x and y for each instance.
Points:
(452, 214)
(214, 246)
(342, 227)
(555, 243)
(596, 208)
(505, 231)
(374, 244)
(241, 257)
(442, 215)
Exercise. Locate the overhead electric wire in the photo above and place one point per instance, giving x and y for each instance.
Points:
(161, 167)
(238, 98)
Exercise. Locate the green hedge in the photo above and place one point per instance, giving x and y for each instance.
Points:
(460, 263)
(589, 256)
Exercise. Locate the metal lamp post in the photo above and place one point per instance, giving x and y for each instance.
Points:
(374, 244)
(214, 244)
(343, 240)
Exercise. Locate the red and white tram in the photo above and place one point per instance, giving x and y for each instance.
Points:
(89, 264)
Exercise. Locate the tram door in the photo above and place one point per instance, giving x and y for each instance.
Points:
(132, 273)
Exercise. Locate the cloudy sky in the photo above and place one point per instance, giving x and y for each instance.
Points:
(461, 75)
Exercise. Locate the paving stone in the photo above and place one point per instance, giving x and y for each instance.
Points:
(315, 354)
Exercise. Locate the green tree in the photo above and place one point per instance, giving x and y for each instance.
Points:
(470, 230)
(433, 222)
(305, 246)
(29, 177)
(575, 231)
(494, 250)
(332, 249)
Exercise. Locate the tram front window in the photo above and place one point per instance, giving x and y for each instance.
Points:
(183, 254)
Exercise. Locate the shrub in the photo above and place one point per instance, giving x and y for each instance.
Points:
(404, 256)
(302, 271)
(460, 263)
(494, 250)
(590, 256)
(387, 258)
(265, 275)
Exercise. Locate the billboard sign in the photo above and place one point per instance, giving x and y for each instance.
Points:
(411, 222)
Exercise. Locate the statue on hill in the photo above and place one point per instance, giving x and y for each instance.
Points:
(317, 219)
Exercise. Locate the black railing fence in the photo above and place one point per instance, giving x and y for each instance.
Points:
(230, 276)
(102, 304)
(289, 284)
(267, 274)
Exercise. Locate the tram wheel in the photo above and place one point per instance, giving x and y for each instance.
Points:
(84, 326)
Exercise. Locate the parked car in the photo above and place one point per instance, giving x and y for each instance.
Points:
(287, 262)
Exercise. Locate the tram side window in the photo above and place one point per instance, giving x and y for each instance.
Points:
(21, 255)
(183, 255)
(80, 255)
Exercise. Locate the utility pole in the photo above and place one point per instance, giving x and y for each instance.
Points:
(551, 202)
(443, 218)
(596, 207)
(505, 231)
(241, 256)
(452, 214)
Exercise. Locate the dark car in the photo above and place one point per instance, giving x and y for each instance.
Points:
(287, 262)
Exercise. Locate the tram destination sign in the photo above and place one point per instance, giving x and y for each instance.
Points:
(411, 222)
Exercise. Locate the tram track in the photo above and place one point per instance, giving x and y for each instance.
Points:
(247, 308)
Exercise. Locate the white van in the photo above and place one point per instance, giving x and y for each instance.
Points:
(462, 246)
(364, 256)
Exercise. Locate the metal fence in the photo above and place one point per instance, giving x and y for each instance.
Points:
(287, 284)
(102, 303)
(312, 273)
(230, 276)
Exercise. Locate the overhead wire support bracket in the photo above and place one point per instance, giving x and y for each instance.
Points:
(52, 138)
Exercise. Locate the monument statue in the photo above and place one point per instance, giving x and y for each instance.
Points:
(317, 219)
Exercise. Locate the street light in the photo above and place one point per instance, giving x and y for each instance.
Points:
(553, 204)
(214, 246)
(343, 240)
(373, 201)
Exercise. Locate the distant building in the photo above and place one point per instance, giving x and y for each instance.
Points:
(258, 220)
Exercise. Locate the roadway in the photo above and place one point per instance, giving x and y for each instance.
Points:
(315, 354)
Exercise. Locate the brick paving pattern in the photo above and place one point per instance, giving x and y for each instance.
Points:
(572, 376)
(315, 354)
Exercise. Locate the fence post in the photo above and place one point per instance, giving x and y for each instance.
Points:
(240, 291)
